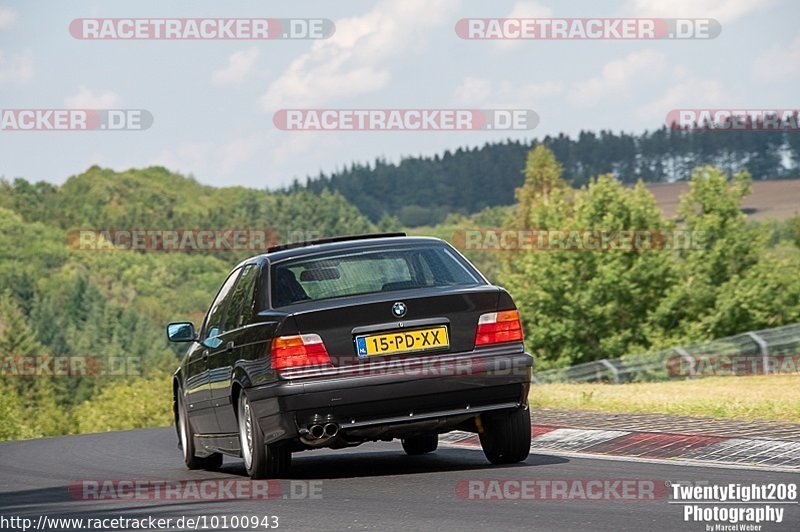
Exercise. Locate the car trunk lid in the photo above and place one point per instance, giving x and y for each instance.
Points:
(346, 325)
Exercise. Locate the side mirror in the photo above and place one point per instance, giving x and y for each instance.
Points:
(182, 331)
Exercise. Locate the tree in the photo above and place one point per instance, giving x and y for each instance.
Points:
(724, 247)
(794, 228)
(12, 415)
(16, 336)
(542, 176)
(766, 295)
(137, 404)
(579, 306)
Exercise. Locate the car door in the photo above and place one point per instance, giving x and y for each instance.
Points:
(198, 388)
(223, 360)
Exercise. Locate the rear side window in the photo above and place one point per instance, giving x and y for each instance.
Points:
(240, 311)
(366, 272)
(213, 326)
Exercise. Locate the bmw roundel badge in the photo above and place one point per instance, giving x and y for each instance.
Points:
(399, 309)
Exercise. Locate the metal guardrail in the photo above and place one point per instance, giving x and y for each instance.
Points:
(754, 352)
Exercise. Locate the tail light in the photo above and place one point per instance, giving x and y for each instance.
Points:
(498, 328)
(297, 351)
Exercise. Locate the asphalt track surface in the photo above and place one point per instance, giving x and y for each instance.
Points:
(373, 487)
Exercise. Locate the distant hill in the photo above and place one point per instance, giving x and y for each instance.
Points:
(423, 190)
(771, 199)
(155, 197)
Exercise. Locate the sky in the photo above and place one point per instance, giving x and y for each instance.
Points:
(212, 101)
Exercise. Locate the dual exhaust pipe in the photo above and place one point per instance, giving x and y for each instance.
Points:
(319, 431)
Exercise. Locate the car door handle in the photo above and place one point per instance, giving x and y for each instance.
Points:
(229, 347)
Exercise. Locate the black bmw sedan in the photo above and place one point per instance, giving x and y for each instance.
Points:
(341, 341)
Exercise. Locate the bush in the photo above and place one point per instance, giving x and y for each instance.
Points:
(139, 403)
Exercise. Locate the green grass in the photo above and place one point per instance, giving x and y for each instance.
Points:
(775, 397)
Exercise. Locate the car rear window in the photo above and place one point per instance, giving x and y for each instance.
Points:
(354, 273)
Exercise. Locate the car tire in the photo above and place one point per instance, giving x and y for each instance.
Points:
(423, 444)
(506, 437)
(186, 440)
(260, 460)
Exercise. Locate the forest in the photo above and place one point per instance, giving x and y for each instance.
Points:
(424, 190)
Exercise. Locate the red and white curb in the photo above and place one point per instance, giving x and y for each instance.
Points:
(774, 454)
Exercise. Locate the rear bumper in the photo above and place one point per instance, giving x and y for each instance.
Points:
(383, 399)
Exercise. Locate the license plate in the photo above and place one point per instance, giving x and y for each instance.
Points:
(402, 341)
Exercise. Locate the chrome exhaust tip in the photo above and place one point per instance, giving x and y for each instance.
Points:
(316, 431)
(330, 430)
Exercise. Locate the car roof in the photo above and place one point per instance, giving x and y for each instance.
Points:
(357, 242)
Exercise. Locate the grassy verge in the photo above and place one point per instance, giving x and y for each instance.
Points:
(775, 397)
